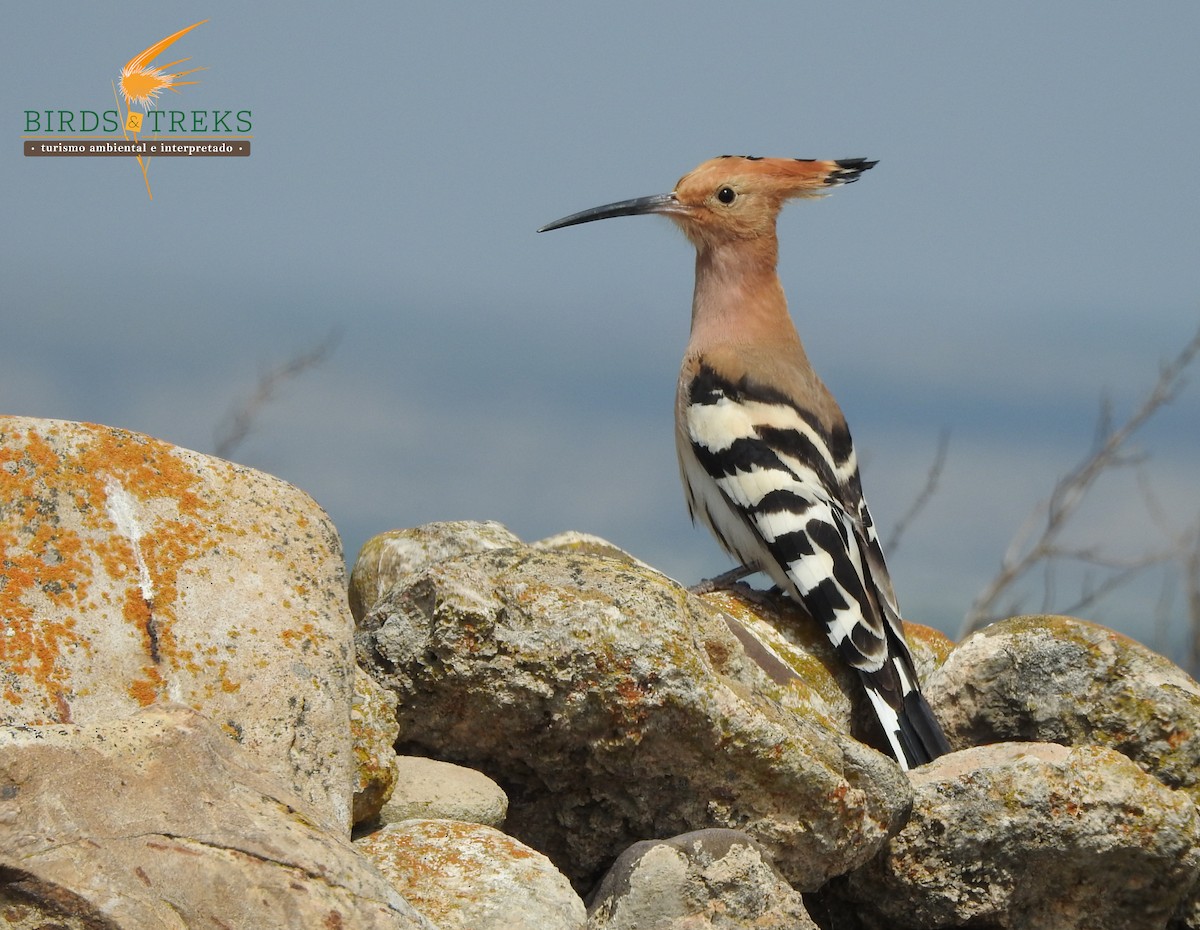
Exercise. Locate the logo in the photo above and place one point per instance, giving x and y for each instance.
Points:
(169, 132)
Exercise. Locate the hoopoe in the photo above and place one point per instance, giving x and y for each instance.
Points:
(764, 453)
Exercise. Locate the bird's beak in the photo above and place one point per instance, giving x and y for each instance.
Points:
(656, 203)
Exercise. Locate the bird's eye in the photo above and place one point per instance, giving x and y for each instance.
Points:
(726, 195)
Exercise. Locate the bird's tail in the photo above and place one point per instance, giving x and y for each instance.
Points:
(921, 735)
(913, 732)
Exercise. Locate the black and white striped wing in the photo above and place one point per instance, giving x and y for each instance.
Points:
(773, 486)
(782, 494)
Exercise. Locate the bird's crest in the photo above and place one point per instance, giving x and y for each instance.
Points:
(739, 196)
(781, 177)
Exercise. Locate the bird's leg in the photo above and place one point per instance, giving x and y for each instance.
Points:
(723, 580)
(728, 581)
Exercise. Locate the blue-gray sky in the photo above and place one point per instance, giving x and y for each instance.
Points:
(1028, 244)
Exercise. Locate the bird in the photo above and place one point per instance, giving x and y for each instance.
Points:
(765, 456)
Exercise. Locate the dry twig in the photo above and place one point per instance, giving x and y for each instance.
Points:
(1050, 518)
(238, 421)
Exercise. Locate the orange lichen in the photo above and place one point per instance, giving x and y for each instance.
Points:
(305, 637)
(58, 533)
(137, 610)
(147, 690)
(41, 567)
(1177, 737)
(139, 462)
(939, 644)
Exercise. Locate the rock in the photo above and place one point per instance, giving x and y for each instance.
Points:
(1187, 916)
(788, 645)
(1061, 680)
(793, 649)
(389, 556)
(161, 820)
(573, 541)
(133, 571)
(930, 648)
(611, 705)
(427, 789)
(710, 878)
(374, 729)
(1033, 836)
(27, 903)
(473, 877)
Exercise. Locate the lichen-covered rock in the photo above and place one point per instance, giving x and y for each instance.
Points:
(611, 705)
(578, 543)
(1033, 836)
(794, 650)
(427, 789)
(930, 648)
(719, 879)
(466, 876)
(389, 556)
(161, 820)
(374, 728)
(133, 571)
(1062, 680)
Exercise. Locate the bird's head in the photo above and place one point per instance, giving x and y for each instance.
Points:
(732, 197)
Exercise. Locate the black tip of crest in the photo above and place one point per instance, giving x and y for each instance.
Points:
(849, 170)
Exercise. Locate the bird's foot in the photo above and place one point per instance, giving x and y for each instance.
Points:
(723, 581)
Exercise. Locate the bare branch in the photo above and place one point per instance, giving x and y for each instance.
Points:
(1037, 540)
(1185, 551)
(932, 476)
(1118, 576)
(239, 419)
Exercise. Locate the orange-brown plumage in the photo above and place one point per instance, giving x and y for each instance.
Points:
(761, 186)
